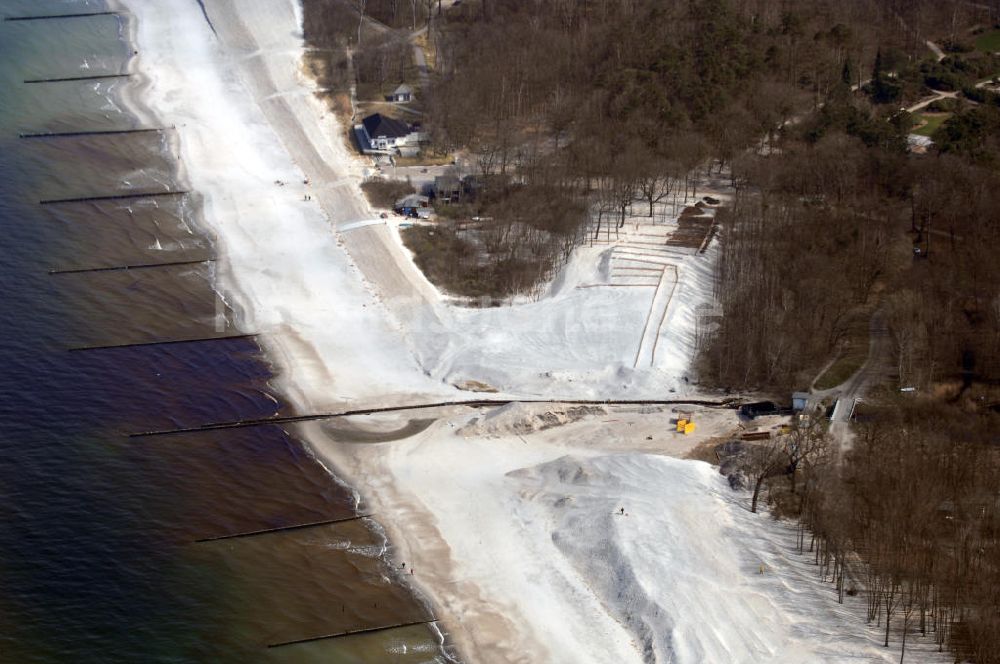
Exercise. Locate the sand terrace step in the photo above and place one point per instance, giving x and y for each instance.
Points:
(617, 286)
(662, 298)
(659, 258)
(647, 282)
(641, 262)
(641, 251)
(649, 243)
(629, 278)
(631, 247)
(668, 253)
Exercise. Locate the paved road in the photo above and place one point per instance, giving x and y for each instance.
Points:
(418, 57)
(877, 367)
(938, 94)
(411, 36)
(938, 53)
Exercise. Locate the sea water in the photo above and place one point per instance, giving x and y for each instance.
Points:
(100, 558)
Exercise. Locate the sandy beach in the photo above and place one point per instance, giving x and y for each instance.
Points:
(538, 533)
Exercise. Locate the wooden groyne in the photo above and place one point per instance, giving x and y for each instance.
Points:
(471, 403)
(112, 197)
(119, 268)
(353, 632)
(165, 342)
(96, 77)
(204, 12)
(48, 17)
(104, 132)
(282, 529)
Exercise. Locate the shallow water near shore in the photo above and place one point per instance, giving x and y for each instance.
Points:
(99, 557)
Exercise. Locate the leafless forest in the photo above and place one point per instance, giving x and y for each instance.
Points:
(838, 233)
(908, 519)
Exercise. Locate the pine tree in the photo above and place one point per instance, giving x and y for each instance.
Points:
(883, 89)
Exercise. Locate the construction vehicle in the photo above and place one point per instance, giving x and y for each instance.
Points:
(685, 422)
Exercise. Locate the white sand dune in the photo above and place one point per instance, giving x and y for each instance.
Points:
(514, 529)
(513, 536)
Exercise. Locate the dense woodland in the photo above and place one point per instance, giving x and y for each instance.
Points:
(909, 519)
(618, 103)
(838, 231)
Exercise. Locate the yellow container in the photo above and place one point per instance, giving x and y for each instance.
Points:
(680, 425)
(689, 428)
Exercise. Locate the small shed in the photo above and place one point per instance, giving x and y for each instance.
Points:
(800, 400)
(401, 95)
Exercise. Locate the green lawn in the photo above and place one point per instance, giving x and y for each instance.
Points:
(988, 42)
(933, 122)
(841, 370)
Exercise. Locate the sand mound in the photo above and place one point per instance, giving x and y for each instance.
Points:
(522, 419)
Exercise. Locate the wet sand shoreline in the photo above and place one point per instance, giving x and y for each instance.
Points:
(280, 342)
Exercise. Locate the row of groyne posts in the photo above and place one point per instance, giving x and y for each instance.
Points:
(275, 420)
(140, 195)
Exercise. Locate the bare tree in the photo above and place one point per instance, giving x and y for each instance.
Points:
(761, 461)
(806, 444)
(655, 185)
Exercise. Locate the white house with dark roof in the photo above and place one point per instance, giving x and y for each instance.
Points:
(380, 133)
